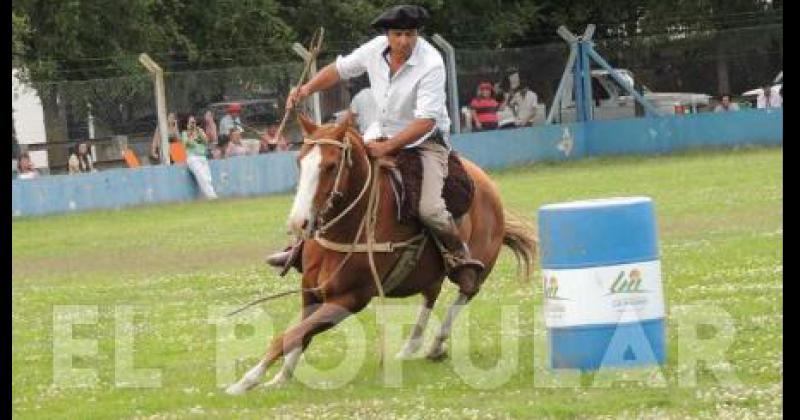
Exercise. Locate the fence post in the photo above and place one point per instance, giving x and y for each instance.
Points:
(452, 81)
(161, 103)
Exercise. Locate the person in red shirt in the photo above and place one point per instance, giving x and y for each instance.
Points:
(484, 108)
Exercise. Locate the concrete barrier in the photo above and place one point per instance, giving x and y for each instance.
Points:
(277, 172)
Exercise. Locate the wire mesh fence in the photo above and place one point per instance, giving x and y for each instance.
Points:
(120, 113)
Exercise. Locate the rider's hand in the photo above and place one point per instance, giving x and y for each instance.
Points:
(377, 150)
(296, 95)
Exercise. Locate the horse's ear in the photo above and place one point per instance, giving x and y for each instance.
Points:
(306, 125)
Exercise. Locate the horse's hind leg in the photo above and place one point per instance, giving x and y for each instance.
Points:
(437, 351)
(415, 341)
(297, 337)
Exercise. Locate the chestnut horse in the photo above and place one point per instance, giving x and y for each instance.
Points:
(334, 174)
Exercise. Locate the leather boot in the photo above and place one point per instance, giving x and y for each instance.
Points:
(288, 258)
(456, 252)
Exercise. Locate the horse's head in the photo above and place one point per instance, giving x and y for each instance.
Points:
(328, 158)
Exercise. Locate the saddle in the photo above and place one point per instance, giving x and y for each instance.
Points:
(405, 169)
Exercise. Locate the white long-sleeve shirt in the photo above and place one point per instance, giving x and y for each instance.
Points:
(365, 108)
(417, 89)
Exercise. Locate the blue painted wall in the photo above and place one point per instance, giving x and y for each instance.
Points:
(277, 172)
(116, 188)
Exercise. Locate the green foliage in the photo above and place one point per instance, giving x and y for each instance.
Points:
(98, 38)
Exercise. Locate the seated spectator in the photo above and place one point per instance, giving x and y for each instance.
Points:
(768, 98)
(172, 135)
(230, 121)
(194, 139)
(210, 128)
(484, 109)
(130, 158)
(235, 146)
(519, 105)
(725, 104)
(271, 144)
(365, 109)
(25, 168)
(80, 161)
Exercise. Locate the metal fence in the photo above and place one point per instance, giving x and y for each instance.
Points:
(121, 112)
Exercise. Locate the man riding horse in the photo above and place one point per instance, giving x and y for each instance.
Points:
(407, 77)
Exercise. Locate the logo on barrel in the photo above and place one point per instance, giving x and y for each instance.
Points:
(627, 284)
(551, 288)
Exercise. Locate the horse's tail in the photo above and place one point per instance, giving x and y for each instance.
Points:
(520, 237)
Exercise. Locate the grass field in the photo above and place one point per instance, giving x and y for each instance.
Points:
(720, 217)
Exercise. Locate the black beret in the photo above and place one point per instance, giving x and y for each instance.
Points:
(401, 17)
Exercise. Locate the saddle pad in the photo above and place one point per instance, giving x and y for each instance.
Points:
(458, 192)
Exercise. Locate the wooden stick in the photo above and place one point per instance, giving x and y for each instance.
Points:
(316, 45)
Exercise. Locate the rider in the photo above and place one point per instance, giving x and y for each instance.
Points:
(407, 77)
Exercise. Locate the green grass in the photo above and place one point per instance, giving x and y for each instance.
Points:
(721, 230)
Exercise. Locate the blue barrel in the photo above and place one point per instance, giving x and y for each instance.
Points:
(603, 296)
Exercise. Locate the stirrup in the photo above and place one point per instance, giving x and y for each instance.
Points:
(455, 263)
(286, 259)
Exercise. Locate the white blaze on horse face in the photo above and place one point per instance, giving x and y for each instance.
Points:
(306, 188)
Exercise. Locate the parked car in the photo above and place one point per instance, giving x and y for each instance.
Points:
(751, 96)
(612, 100)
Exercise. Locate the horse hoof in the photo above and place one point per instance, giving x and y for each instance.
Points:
(276, 383)
(408, 351)
(238, 389)
(404, 355)
(437, 355)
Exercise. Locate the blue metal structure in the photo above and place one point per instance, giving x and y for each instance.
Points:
(582, 53)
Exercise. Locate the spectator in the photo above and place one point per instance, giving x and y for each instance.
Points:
(768, 98)
(365, 109)
(194, 139)
(235, 146)
(25, 168)
(519, 105)
(80, 161)
(725, 104)
(229, 121)
(172, 135)
(271, 144)
(484, 108)
(210, 128)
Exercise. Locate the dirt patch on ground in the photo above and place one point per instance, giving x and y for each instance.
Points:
(140, 262)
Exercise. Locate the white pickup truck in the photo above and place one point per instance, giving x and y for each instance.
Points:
(612, 101)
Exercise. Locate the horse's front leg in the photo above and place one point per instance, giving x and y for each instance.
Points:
(296, 338)
(310, 305)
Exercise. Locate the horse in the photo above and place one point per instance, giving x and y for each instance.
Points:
(335, 172)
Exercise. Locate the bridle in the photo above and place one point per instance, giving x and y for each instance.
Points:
(347, 158)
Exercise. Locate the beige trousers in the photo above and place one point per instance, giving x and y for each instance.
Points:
(432, 209)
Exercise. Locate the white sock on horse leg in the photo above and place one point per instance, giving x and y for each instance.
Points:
(289, 364)
(415, 341)
(249, 380)
(447, 325)
(254, 374)
(452, 313)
